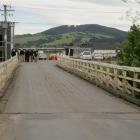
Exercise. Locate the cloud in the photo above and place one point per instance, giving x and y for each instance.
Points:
(102, 2)
(30, 28)
(38, 15)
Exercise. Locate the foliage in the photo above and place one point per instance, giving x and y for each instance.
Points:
(130, 54)
(133, 11)
(91, 35)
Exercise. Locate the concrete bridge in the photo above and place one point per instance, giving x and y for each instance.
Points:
(48, 103)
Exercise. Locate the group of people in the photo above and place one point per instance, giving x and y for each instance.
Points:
(26, 55)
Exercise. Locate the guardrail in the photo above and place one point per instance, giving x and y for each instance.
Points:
(120, 80)
(6, 70)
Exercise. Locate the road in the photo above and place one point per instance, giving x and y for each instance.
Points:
(47, 103)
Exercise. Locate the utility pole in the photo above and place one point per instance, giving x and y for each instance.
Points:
(6, 12)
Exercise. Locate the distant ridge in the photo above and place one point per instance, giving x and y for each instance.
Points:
(91, 28)
(91, 35)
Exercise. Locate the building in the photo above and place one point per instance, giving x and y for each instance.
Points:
(104, 54)
(6, 40)
(75, 51)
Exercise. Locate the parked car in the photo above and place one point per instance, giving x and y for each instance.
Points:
(53, 57)
(86, 55)
(97, 56)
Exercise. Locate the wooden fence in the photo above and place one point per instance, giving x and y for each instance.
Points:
(120, 80)
(6, 70)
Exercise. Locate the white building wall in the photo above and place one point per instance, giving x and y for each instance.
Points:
(101, 54)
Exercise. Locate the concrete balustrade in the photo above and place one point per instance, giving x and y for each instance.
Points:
(6, 70)
(120, 80)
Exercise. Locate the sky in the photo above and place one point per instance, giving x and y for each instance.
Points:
(33, 16)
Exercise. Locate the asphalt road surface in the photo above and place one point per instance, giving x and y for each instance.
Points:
(47, 103)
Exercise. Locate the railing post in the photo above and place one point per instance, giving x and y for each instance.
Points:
(124, 82)
(6, 69)
(115, 77)
(109, 76)
(96, 74)
(0, 77)
(108, 71)
(135, 83)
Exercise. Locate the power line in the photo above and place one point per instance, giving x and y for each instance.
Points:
(6, 12)
(32, 23)
(68, 9)
(53, 25)
(37, 23)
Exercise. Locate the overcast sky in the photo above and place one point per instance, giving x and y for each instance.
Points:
(38, 15)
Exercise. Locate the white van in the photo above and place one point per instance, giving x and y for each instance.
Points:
(86, 55)
(42, 55)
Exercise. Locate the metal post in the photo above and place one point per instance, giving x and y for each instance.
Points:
(5, 42)
(12, 35)
(5, 11)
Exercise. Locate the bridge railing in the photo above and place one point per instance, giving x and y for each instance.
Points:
(120, 80)
(6, 70)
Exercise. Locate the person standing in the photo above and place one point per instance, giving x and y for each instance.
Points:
(27, 55)
(22, 55)
(35, 55)
(18, 54)
(31, 55)
(13, 52)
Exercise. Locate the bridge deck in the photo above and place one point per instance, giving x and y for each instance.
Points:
(49, 103)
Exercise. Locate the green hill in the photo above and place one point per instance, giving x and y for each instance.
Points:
(83, 35)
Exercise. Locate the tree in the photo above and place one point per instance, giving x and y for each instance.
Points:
(130, 54)
(133, 12)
